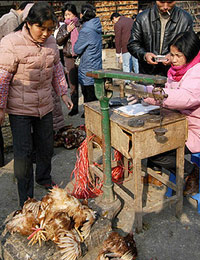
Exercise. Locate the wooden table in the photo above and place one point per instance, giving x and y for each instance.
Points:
(140, 143)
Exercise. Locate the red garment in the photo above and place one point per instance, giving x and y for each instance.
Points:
(122, 33)
(74, 33)
(176, 72)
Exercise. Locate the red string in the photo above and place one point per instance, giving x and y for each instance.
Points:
(35, 231)
(118, 171)
(83, 187)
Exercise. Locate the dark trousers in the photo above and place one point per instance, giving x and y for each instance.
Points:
(88, 93)
(1, 149)
(27, 130)
(72, 79)
(167, 160)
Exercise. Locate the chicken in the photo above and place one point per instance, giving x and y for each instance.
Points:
(22, 223)
(25, 220)
(69, 137)
(59, 200)
(118, 247)
(59, 217)
(31, 205)
(70, 243)
(73, 137)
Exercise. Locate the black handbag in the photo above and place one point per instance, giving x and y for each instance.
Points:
(67, 50)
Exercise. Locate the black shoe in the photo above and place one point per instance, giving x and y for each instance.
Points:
(154, 167)
(73, 113)
(48, 186)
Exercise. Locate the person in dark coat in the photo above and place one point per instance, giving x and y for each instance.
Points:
(153, 31)
(66, 37)
(89, 48)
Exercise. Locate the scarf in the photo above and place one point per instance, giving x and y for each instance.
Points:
(74, 33)
(176, 73)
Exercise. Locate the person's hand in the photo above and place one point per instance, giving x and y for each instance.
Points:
(119, 58)
(168, 60)
(2, 116)
(70, 27)
(67, 102)
(150, 58)
(132, 99)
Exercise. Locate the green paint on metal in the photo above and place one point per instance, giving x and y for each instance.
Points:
(103, 98)
(139, 78)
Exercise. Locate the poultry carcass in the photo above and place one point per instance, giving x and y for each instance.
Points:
(24, 221)
(73, 137)
(118, 247)
(59, 200)
(59, 217)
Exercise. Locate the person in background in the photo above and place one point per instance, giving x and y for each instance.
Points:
(29, 67)
(8, 22)
(89, 48)
(153, 31)
(58, 117)
(59, 24)
(11, 20)
(183, 90)
(66, 37)
(122, 29)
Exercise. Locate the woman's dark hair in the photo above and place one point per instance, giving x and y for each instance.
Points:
(39, 13)
(69, 7)
(188, 43)
(114, 15)
(88, 11)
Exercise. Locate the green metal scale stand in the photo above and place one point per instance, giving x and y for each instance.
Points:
(109, 201)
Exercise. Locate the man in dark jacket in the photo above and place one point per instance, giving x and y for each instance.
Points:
(153, 31)
(122, 28)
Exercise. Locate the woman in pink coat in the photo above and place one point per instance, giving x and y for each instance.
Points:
(183, 89)
(29, 68)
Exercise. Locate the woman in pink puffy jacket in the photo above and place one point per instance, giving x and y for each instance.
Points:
(29, 68)
(183, 89)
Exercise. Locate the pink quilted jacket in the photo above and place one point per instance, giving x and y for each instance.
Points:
(32, 67)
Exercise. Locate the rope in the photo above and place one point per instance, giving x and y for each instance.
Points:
(84, 188)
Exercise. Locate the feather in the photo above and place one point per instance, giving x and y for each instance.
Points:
(22, 223)
(119, 247)
(59, 217)
(70, 244)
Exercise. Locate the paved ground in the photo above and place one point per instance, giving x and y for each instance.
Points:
(164, 236)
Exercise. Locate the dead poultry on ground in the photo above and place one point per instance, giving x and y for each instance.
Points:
(117, 247)
(59, 217)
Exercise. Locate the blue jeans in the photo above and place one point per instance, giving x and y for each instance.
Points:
(29, 132)
(129, 63)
